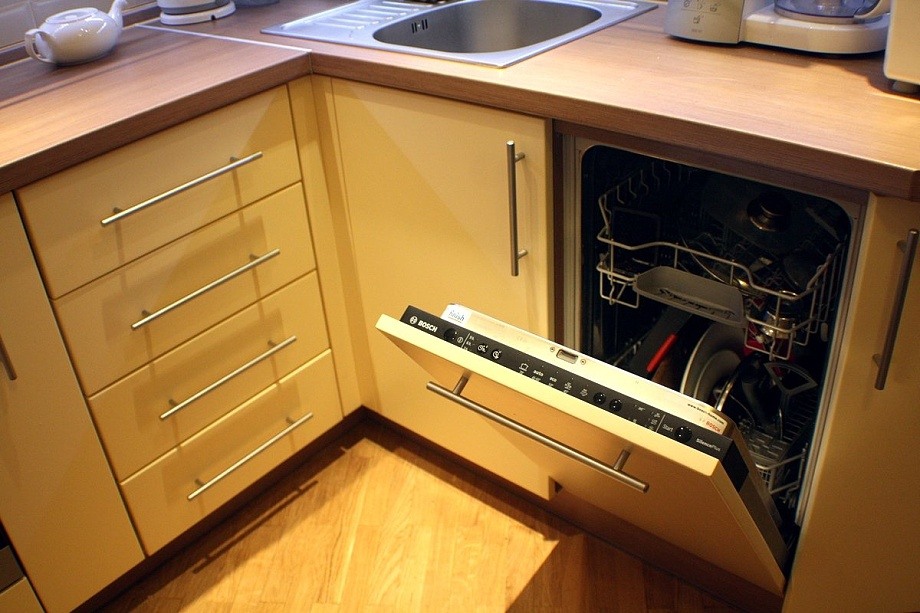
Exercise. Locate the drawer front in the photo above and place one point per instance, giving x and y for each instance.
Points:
(64, 212)
(158, 495)
(678, 493)
(20, 598)
(204, 276)
(147, 413)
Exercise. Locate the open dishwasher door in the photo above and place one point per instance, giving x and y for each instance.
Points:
(660, 460)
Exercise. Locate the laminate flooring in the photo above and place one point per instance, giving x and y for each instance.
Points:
(378, 522)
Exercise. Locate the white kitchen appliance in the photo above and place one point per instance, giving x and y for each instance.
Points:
(902, 57)
(185, 12)
(819, 26)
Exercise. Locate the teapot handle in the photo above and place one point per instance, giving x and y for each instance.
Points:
(881, 7)
(32, 49)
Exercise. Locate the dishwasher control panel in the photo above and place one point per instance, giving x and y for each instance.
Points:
(695, 427)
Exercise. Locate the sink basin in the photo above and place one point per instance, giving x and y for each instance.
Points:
(491, 32)
(488, 25)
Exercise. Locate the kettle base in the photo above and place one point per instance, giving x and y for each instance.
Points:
(184, 19)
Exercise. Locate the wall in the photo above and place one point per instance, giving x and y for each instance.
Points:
(17, 16)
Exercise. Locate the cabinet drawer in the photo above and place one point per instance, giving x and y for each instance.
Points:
(102, 321)
(64, 212)
(160, 405)
(158, 495)
(20, 598)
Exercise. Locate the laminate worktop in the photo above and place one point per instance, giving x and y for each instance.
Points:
(52, 118)
(828, 118)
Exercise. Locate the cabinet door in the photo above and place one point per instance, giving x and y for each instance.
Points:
(427, 188)
(860, 542)
(681, 481)
(59, 502)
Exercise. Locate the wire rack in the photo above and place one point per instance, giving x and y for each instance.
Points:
(780, 311)
(780, 460)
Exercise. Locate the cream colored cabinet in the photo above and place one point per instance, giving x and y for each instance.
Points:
(860, 543)
(203, 472)
(130, 201)
(59, 503)
(191, 304)
(19, 598)
(139, 311)
(232, 361)
(426, 184)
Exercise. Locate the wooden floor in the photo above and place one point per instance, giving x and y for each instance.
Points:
(377, 522)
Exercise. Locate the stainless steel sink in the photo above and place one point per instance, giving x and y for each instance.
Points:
(492, 32)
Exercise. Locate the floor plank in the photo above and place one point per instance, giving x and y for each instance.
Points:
(376, 522)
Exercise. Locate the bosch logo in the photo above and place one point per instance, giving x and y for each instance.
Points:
(424, 324)
(413, 320)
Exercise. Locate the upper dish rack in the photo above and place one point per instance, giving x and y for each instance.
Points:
(735, 251)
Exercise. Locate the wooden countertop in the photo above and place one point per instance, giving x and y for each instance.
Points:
(831, 119)
(52, 118)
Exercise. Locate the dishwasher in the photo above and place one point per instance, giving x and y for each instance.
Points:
(686, 392)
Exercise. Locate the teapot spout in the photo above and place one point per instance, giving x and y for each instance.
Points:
(115, 12)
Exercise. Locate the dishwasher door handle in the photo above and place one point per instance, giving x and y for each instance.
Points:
(614, 472)
(907, 263)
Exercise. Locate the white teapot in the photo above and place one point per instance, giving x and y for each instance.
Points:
(76, 36)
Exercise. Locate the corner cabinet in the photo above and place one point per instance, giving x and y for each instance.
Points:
(193, 310)
(428, 186)
(860, 541)
(60, 504)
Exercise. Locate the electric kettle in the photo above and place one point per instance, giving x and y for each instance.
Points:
(850, 10)
(902, 56)
(815, 26)
(76, 36)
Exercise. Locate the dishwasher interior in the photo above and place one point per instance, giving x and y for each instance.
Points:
(726, 289)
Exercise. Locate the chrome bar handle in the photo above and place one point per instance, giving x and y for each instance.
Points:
(7, 362)
(233, 165)
(226, 472)
(516, 253)
(175, 407)
(907, 263)
(255, 261)
(615, 471)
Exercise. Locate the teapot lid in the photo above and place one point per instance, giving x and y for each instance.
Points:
(72, 15)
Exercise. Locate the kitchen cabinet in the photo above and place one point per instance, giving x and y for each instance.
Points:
(425, 183)
(19, 598)
(195, 319)
(60, 504)
(401, 259)
(860, 542)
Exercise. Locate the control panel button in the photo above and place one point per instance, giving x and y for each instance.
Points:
(600, 398)
(616, 405)
(683, 434)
